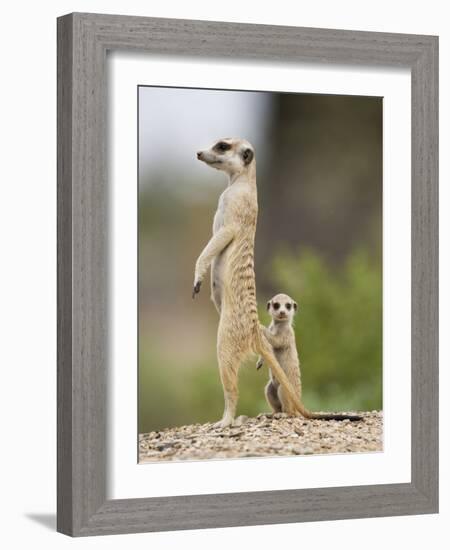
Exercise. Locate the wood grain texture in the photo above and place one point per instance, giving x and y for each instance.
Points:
(424, 276)
(83, 40)
(64, 295)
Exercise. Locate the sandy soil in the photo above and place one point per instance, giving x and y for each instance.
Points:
(266, 435)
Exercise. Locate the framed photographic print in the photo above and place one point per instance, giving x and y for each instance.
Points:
(247, 274)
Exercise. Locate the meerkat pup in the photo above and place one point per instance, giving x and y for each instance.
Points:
(229, 253)
(280, 334)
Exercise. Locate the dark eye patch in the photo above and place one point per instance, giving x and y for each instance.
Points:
(288, 306)
(221, 147)
(276, 305)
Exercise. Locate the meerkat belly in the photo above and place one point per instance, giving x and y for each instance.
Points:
(238, 297)
(289, 362)
(282, 356)
(219, 262)
(218, 267)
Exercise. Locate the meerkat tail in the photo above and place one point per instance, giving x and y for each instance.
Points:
(265, 351)
(351, 417)
(280, 375)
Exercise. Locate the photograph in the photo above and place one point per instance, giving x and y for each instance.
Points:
(260, 245)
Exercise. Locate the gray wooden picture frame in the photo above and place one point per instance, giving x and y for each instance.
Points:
(83, 41)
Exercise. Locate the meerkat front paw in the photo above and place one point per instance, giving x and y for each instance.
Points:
(196, 288)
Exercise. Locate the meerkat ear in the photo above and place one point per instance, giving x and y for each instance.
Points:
(268, 305)
(295, 306)
(247, 156)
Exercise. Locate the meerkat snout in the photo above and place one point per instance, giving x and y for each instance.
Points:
(282, 307)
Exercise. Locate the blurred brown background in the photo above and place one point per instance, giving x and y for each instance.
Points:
(319, 239)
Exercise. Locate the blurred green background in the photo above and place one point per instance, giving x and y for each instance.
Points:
(319, 239)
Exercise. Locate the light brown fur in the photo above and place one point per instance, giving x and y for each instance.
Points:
(281, 336)
(231, 250)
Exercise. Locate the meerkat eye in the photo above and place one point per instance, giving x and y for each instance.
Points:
(222, 147)
(276, 305)
(288, 306)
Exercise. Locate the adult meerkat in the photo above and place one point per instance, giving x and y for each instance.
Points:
(280, 334)
(230, 255)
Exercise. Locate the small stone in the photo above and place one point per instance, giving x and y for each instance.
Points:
(242, 419)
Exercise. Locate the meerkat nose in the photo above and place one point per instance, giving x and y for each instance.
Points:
(199, 154)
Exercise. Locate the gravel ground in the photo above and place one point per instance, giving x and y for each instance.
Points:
(266, 435)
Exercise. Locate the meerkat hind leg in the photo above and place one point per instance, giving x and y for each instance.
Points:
(272, 397)
(229, 377)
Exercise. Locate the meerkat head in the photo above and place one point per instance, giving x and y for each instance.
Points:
(231, 155)
(282, 308)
